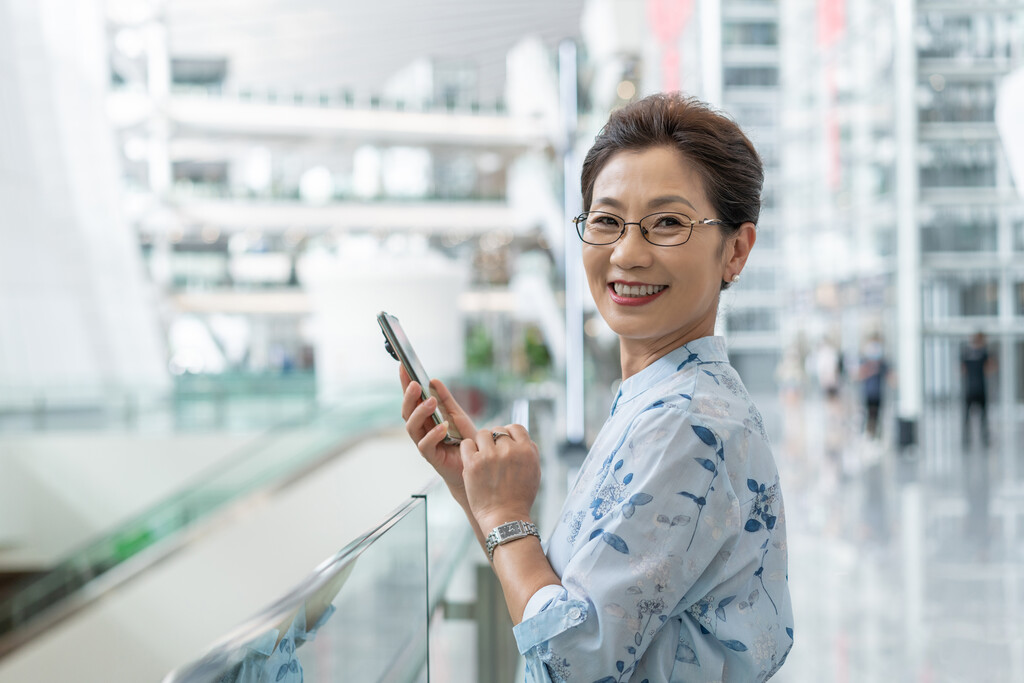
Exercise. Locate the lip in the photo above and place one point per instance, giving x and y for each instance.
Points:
(632, 300)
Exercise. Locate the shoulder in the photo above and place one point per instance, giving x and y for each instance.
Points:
(708, 402)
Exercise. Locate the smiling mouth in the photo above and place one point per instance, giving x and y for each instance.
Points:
(636, 290)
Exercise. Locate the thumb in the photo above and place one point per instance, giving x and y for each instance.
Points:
(462, 421)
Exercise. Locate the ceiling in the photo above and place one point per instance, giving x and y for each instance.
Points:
(359, 44)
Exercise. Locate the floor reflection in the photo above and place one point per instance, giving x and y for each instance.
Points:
(903, 566)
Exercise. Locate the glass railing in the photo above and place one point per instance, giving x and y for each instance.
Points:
(229, 401)
(376, 610)
(361, 616)
(276, 458)
(372, 612)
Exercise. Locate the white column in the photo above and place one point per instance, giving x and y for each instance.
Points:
(710, 23)
(574, 407)
(908, 249)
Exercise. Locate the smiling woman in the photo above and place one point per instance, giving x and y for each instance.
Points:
(668, 562)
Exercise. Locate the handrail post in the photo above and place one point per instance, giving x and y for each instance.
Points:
(497, 654)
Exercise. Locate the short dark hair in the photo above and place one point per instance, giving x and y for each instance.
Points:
(723, 157)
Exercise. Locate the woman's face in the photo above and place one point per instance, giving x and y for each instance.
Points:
(634, 184)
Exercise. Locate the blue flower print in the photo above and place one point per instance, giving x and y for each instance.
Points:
(711, 439)
(761, 515)
(614, 492)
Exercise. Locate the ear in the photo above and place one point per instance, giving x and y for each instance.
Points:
(738, 250)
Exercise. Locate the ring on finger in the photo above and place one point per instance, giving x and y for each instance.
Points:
(495, 435)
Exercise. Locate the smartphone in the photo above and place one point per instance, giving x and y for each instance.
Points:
(397, 344)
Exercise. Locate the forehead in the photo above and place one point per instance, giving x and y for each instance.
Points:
(650, 172)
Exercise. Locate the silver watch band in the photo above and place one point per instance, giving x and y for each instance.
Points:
(508, 532)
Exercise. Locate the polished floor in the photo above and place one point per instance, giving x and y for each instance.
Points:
(905, 566)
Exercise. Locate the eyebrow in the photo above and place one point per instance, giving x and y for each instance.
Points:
(656, 202)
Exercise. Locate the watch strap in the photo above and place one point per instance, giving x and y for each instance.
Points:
(508, 532)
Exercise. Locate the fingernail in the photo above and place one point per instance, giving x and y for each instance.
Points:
(443, 425)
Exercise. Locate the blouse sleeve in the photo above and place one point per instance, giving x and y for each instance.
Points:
(652, 538)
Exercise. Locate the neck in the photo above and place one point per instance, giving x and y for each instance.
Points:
(635, 355)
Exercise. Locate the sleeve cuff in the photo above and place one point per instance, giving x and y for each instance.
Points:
(548, 613)
(541, 600)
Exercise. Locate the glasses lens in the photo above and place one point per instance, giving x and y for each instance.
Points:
(667, 229)
(598, 227)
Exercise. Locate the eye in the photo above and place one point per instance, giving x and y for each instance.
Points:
(603, 221)
(668, 220)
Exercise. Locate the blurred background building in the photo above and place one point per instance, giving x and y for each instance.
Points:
(203, 205)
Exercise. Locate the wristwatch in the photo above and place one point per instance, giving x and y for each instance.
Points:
(507, 532)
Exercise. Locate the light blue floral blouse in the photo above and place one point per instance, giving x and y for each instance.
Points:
(671, 546)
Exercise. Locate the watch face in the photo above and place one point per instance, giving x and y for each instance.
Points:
(509, 530)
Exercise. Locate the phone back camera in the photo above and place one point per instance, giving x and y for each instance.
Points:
(387, 346)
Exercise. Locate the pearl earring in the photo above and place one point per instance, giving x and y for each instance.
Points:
(736, 277)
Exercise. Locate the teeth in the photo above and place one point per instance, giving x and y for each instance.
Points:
(637, 290)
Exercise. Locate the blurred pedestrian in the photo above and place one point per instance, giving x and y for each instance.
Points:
(827, 368)
(874, 370)
(975, 365)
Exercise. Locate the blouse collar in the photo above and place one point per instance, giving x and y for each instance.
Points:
(704, 350)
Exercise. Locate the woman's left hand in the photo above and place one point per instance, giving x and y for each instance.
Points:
(502, 475)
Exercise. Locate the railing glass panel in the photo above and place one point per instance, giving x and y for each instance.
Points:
(361, 616)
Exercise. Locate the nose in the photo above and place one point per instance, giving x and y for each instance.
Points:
(632, 250)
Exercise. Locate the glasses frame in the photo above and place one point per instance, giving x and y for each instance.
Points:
(582, 219)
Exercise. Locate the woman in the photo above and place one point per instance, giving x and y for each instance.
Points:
(669, 560)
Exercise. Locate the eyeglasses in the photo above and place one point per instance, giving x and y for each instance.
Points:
(660, 229)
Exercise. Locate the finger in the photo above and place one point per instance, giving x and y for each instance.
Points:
(517, 432)
(484, 439)
(403, 376)
(410, 399)
(419, 421)
(468, 449)
(462, 421)
(433, 438)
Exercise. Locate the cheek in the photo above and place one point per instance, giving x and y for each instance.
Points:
(594, 273)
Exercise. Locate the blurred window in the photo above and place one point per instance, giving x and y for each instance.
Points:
(199, 269)
(956, 295)
(1020, 371)
(750, 33)
(967, 36)
(955, 164)
(752, 320)
(980, 298)
(1017, 227)
(751, 76)
(199, 71)
(759, 279)
(958, 229)
(945, 101)
(754, 115)
(765, 235)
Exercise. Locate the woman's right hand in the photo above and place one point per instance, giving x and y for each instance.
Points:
(445, 458)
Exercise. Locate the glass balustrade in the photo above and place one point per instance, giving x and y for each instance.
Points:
(232, 401)
(284, 452)
(361, 616)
